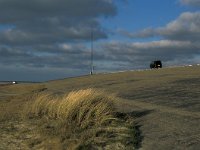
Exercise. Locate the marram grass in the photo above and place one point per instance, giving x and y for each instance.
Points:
(81, 118)
(84, 107)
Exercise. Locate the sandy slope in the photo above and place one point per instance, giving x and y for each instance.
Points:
(165, 127)
(165, 103)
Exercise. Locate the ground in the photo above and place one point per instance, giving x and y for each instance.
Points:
(164, 102)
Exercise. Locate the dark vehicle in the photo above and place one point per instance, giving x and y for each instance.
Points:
(156, 64)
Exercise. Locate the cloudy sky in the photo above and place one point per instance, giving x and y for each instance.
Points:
(49, 39)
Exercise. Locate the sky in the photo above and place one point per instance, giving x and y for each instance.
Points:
(44, 40)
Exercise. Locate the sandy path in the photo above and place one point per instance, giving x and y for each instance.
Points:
(165, 127)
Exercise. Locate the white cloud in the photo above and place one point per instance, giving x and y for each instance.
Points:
(148, 32)
(185, 27)
(195, 3)
(141, 53)
(66, 46)
(162, 44)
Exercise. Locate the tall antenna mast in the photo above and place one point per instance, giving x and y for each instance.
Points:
(92, 53)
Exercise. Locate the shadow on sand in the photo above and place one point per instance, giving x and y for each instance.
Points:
(135, 127)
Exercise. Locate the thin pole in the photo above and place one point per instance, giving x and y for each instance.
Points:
(92, 53)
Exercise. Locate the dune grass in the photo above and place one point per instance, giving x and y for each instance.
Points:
(47, 127)
(81, 119)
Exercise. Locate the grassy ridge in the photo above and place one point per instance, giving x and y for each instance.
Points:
(81, 119)
(175, 87)
(13, 98)
(144, 95)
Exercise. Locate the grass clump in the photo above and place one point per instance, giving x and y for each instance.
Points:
(84, 118)
(84, 108)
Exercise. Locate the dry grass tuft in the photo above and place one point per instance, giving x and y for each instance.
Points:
(81, 118)
(84, 108)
